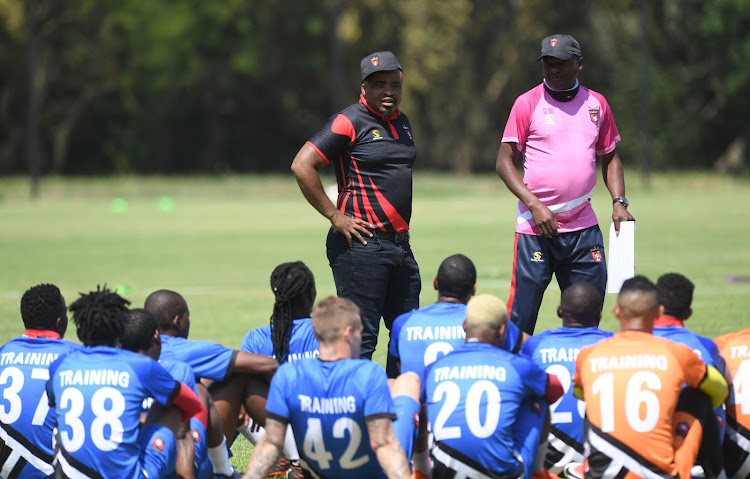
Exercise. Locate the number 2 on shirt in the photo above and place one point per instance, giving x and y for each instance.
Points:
(315, 449)
(452, 394)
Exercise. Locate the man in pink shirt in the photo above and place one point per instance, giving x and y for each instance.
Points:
(559, 128)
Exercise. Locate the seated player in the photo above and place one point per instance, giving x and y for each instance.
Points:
(26, 421)
(421, 336)
(98, 393)
(475, 396)
(735, 349)
(555, 351)
(290, 335)
(675, 293)
(340, 408)
(142, 336)
(239, 378)
(631, 384)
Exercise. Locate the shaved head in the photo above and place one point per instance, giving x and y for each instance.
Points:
(581, 303)
(637, 304)
(165, 305)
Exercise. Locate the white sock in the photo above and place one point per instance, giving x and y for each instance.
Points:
(219, 456)
(290, 447)
(251, 436)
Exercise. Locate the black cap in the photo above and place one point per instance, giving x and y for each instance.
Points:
(560, 46)
(378, 62)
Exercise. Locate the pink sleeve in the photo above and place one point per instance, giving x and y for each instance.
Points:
(519, 121)
(608, 134)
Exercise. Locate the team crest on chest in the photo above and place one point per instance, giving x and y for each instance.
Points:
(408, 132)
(596, 253)
(594, 115)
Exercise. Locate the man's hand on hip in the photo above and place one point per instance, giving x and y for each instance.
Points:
(351, 228)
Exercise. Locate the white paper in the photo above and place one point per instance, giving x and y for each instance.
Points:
(620, 256)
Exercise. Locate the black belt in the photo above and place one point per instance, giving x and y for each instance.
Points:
(399, 237)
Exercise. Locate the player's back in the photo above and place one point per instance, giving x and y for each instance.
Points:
(631, 384)
(327, 404)
(98, 393)
(423, 335)
(302, 342)
(735, 349)
(555, 351)
(26, 420)
(473, 396)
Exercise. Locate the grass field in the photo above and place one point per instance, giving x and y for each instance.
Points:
(216, 241)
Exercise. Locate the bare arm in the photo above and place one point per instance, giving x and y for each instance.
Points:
(251, 363)
(267, 450)
(305, 168)
(386, 447)
(506, 169)
(614, 179)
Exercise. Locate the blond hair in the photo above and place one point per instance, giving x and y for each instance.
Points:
(331, 316)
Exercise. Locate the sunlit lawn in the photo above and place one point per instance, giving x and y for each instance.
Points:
(216, 241)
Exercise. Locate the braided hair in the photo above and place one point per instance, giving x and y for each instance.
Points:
(293, 284)
(41, 306)
(100, 316)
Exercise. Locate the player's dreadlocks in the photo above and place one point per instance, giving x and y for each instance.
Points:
(100, 316)
(41, 306)
(292, 284)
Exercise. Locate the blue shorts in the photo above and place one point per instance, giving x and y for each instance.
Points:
(406, 425)
(158, 450)
(203, 467)
(572, 257)
(527, 431)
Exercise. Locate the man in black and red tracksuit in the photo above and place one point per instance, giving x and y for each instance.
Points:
(371, 147)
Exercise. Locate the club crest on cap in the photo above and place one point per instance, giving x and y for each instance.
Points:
(553, 42)
(374, 60)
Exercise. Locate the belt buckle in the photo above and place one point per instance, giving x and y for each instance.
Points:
(401, 236)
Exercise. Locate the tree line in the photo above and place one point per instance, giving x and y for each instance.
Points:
(190, 86)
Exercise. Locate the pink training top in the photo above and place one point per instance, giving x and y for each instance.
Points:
(559, 142)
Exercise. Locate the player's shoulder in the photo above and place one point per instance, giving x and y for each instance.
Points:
(530, 97)
(598, 97)
(257, 340)
(742, 336)
(401, 319)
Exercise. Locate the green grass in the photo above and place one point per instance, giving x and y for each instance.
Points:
(223, 237)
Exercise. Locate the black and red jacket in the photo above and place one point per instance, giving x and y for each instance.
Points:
(373, 157)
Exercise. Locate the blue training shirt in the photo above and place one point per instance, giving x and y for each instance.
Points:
(328, 404)
(421, 336)
(26, 420)
(473, 396)
(208, 360)
(302, 342)
(706, 349)
(98, 394)
(555, 351)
